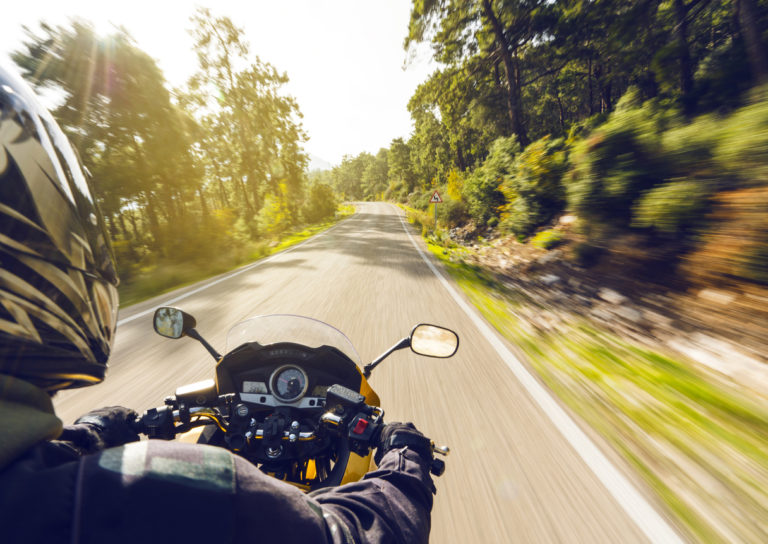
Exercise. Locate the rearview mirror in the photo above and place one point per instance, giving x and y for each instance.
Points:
(172, 322)
(434, 341)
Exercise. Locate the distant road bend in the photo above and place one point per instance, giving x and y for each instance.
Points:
(512, 476)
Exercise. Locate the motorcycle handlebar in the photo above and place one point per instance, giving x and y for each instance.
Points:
(161, 423)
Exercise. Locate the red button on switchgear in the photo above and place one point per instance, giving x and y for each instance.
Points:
(360, 427)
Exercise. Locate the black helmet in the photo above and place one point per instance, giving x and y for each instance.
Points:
(58, 296)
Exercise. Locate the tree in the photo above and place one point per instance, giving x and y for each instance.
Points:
(491, 32)
(375, 175)
(399, 160)
(120, 117)
(238, 98)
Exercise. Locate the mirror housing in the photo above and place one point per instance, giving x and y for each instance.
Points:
(172, 322)
(434, 341)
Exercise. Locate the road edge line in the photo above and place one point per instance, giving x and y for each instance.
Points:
(639, 510)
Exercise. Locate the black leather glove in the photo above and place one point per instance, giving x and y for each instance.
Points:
(398, 435)
(113, 424)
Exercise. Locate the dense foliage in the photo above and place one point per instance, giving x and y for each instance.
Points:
(639, 113)
(634, 115)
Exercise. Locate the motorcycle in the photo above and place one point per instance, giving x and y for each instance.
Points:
(290, 395)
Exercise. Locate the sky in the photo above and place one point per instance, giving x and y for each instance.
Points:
(345, 58)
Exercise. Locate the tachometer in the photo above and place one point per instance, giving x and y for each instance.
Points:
(288, 383)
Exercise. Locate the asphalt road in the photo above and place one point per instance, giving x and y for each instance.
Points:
(511, 476)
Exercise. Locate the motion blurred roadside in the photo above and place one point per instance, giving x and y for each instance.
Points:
(604, 174)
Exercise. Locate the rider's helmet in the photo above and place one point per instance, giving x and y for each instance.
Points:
(58, 296)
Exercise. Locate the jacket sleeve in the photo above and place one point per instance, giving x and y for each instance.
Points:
(392, 504)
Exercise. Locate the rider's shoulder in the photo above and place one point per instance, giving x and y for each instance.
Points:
(196, 466)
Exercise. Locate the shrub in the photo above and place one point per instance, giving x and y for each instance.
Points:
(673, 208)
(320, 205)
(274, 217)
(455, 184)
(620, 161)
(533, 189)
(453, 213)
(419, 199)
(421, 219)
(741, 147)
(547, 239)
(481, 189)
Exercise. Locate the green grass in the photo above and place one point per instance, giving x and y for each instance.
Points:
(163, 277)
(700, 443)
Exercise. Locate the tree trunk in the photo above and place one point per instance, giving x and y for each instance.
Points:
(203, 204)
(136, 231)
(241, 128)
(606, 103)
(684, 55)
(243, 184)
(511, 73)
(758, 59)
(223, 193)
(112, 227)
(154, 224)
(460, 159)
(560, 108)
(126, 232)
(589, 85)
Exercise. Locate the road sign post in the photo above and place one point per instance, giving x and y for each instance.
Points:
(436, 200)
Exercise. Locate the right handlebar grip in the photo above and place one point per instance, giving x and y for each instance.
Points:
(437, 467)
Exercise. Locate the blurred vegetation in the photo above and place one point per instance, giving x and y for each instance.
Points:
(635, 116)
(632, 115)
(547, 239)
(191, 181)
(697, 440)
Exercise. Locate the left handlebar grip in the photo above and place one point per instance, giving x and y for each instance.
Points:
(156, 423)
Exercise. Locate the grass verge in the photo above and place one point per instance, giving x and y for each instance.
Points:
(700, 443)
(167, 276)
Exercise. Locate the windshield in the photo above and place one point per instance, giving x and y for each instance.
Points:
(272, 329)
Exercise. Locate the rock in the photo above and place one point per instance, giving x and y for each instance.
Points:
(718, 297)
(573, 282)
(549, 279)
(609, 295)
(551, 257)
(601, 314)
(656, 318)
(628, 313)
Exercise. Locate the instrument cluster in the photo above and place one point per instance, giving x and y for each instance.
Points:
(288, 384)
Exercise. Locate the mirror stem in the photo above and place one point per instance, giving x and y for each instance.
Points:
(404, 343)
(192, 333)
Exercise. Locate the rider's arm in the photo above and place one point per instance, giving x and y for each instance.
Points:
(98, 430)
(392, 504)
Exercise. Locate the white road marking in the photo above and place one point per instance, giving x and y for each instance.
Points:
(225, 278)
(634, 504)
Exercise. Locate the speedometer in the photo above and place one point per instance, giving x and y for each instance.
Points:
(288, 383)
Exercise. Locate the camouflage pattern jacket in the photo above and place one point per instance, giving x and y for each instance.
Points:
(154, 491)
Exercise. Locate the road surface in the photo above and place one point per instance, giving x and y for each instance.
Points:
(511, 476)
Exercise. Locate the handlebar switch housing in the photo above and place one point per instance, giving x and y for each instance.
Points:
(361, 434)
(338, 395)
(158, 423)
